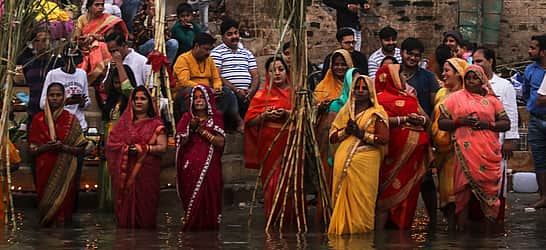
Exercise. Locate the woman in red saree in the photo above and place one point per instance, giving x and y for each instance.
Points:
(200, 144)
(407, 160)
(268, 111)
(133, 152)
(55, 139)
(475, 116)
(91, 29)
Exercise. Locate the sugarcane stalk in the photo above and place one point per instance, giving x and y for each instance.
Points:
(10, 196)
(262, 164)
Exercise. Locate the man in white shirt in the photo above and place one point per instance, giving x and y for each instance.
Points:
(137, 62)
(237, 67)
(387, 36)
(504, 90)
(75, 84)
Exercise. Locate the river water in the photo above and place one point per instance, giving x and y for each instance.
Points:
(92, 230)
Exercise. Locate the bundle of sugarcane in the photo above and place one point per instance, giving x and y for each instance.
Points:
(17, 18)
(161, 78)
(301, 154)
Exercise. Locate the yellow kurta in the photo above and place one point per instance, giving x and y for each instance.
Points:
(190, 73)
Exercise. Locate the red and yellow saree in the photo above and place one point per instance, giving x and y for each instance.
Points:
(55, 171)
(405, 165)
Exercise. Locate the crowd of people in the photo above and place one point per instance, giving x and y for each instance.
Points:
(386, 126)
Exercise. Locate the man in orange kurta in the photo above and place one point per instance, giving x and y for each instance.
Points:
(196, 67)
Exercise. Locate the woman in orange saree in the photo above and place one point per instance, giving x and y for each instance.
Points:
(475, 116)
(91, 29)
(268, 111)
(56, 139)
(444, 161)
(408, 157)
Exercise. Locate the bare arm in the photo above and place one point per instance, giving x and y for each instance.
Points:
(255, 82)
(160, 147)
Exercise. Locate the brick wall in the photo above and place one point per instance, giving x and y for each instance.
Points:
(424, 19)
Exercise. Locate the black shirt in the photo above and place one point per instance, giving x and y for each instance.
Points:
(345, 17)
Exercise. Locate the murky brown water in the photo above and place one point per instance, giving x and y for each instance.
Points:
(98, 231)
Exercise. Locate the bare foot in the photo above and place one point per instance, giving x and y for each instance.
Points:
(540, 203)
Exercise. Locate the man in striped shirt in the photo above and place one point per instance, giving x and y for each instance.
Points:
(387, 36)
(237, 66)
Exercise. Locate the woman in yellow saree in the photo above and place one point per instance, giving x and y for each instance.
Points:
(362, 131)
(330, 87)
(91, 29)
(452, 75)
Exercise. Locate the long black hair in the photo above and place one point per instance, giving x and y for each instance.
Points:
(115, 95)
(151, 111)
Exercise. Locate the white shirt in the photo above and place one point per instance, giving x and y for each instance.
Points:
(73, 84)
(507, 95)
(137, 63)
(542, 89)
(374, 62)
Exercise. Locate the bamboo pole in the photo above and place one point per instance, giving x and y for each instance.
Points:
(159, 41)
(18, 19)
(301, 143)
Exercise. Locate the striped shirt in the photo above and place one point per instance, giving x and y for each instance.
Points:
(374, 62)
(234, 66)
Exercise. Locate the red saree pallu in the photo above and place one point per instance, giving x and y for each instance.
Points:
(55, 172)
(259, 139)
(94, 61)
(405, 165)
(199, 169)
(136, 203)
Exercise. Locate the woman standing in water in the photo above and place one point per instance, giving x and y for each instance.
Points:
(453, 71)
(56, 139)
(133, 152)
(362, 132)
(475, 116)
(200, 144)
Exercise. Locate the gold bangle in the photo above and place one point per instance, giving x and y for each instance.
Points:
(369, 138)
(341, 134)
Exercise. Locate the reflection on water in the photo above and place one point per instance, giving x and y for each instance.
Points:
(98, 231)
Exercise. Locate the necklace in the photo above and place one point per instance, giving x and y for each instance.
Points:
(408, 76)
(204, 67)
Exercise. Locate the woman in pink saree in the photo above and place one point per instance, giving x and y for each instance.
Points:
(133, 152)
(199, 147)
(91, 29)
(475, 116)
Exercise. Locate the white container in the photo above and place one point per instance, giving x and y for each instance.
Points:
(524, 182)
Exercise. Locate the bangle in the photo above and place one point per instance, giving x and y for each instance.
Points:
(369, 138)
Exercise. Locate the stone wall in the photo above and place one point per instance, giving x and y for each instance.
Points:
(424, 19)
(520, 20)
